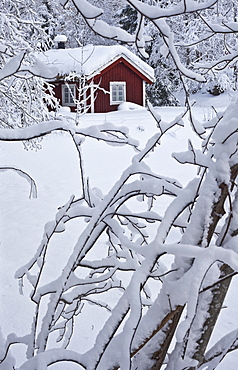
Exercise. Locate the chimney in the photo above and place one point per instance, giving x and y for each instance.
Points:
(61, 41)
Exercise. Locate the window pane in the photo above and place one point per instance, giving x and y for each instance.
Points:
(121, 95)
(68, 94)
(118, 92)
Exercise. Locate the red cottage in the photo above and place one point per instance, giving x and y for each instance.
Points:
(98, 78)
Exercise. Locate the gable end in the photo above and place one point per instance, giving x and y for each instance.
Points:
(128, 64)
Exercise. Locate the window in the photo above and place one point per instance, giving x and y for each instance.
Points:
(117, 92)
(68, 94)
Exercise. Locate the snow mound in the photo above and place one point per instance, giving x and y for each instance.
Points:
(129, 106)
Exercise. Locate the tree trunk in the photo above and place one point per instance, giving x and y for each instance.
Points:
(219, 294)
(160, 354)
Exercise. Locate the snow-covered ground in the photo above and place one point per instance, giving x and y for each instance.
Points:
(55, 169)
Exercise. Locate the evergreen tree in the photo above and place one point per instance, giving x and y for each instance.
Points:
(127, 18)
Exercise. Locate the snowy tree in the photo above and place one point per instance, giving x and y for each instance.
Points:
(194, 41)
(161, 91)
(24, 93)
(59, 20)
(190, 292)
(212, 45)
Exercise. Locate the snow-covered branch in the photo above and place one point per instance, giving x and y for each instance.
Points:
(156, 12)
(33, 187)
(91, 14)
(103, 132)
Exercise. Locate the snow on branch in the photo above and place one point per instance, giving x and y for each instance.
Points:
(106, 132)
(53, 356)
(211, 254)
(224, 27)
(91, 13)
(164, 126)
(193, 156)
(183, 7)
(17, 65)
(185, 197)
(33, 190)
(151, 217)
(220, 64)
(39, 257)
(110, 32)
(216, 354)
(12, 66)
(168, 39)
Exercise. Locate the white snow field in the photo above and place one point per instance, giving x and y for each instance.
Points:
(55, 170)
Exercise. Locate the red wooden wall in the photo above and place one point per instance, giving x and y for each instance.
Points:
(118, 72)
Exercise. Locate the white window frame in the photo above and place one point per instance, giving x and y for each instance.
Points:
(114, 84)
(73, 96)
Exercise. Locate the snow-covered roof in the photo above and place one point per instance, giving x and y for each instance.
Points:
(91, 60)
(60, 38)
